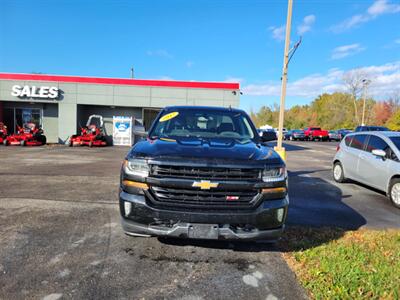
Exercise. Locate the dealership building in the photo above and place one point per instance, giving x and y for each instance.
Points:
(60, 104)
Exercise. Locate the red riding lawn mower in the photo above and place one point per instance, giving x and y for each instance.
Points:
(28, 135)
(92, 135)
(3, 132)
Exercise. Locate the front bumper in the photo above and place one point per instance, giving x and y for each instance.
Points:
(299, 137)
(266, 222)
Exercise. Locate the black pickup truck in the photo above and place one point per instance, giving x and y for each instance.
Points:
(204, 172)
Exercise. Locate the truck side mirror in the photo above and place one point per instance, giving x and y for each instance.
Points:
(268, 136)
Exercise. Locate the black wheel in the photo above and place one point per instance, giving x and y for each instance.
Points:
(91, 144)
(6, 143)
(71, 142)
(23, 143)
(105, 140)
(338, 173)
(291, 138)
(394, 192)
(44, 139)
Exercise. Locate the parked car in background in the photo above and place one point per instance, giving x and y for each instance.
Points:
(316, 133)
(261, 132)
(294, 135)
(334, 135)
(268, 135)
(284, 130)
(371, 128)
(371, 158)
(343, 132)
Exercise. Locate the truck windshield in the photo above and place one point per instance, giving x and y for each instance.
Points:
(203, 124)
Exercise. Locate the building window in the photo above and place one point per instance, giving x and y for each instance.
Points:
(15, 117)
(28, 115)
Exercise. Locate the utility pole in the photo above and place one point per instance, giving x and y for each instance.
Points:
(281, 151)
(365, 82)
(132, 72)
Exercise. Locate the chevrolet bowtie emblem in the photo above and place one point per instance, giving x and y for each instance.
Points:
(205, 184)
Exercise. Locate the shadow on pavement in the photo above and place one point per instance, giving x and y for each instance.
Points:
(288, 146)
(317, 215)
(293, 147)
(232, 245)
(317, 203)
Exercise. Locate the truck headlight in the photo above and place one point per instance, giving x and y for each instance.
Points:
(274, 174)
(136, 167)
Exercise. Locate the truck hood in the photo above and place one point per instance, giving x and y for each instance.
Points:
(204, 149)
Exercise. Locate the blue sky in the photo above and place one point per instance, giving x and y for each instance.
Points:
(208, 41)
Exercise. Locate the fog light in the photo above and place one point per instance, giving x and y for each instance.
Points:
(279, 214)
(274, 190)
(139, 185)
(127, 208)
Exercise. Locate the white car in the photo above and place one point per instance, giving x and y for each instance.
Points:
(371, 158)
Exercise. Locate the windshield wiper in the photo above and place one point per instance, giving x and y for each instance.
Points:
(243, 141)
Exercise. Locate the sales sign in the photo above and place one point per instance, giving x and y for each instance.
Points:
(26, 91)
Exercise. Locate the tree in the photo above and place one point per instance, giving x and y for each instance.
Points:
(383, 111)
(330, 111)
(394, 122)
(394, 100)
(353, 80)
(263, 116)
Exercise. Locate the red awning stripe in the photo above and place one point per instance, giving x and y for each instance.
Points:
(121, 81)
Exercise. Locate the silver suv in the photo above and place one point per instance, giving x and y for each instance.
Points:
(371, 158)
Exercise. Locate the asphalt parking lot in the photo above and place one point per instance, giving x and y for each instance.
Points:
(317, 200)
(60, 235)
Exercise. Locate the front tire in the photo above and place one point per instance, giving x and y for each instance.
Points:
(338, 173)
(394, 192)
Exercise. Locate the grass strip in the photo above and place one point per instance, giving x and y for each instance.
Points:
(332, 263)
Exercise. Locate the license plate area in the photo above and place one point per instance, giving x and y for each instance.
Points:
(203, 231)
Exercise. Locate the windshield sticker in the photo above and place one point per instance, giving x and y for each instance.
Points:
(169, 116)
(167, 140)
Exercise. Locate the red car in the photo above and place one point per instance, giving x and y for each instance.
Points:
(28, 135)
(316, 133)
